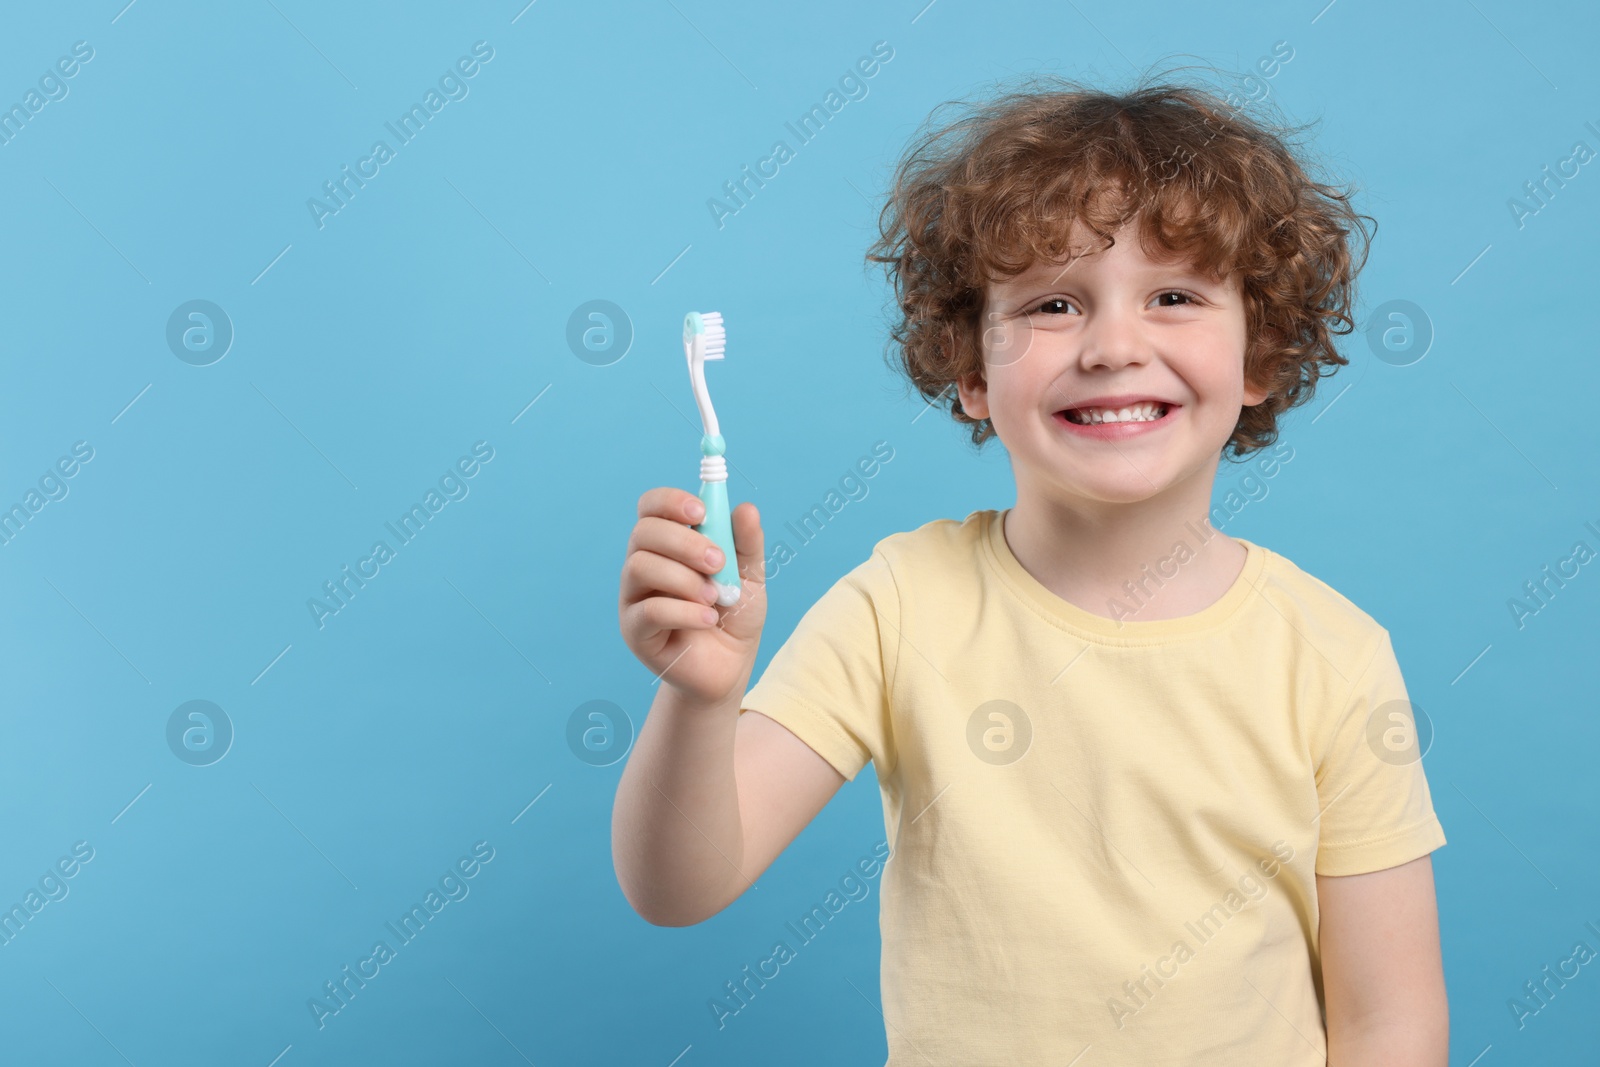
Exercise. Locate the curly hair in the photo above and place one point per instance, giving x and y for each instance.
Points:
(999, 188)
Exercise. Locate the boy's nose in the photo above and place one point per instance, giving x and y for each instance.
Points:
(1113, 337)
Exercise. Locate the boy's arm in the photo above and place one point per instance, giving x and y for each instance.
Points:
(783, 784)
(708, 799)
(1383, 979)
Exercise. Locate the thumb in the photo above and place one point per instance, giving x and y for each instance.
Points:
(749, 544)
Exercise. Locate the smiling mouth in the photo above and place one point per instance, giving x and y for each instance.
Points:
(1146, 412)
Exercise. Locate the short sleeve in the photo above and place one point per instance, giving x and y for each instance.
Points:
(829, 683)
(1376, 809)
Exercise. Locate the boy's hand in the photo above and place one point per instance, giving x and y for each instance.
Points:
(666, 589)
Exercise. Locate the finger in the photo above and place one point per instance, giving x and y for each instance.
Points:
(749, 543)
(660, 614)
(646, 574)
(675, 541)
(670, 502)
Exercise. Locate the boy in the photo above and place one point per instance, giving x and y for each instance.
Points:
(1153, 793)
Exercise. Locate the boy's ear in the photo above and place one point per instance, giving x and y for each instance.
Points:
(1254, 394)
(974, 395)
(1272, 339)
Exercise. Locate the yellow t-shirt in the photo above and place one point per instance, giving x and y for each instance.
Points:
(1103, 835)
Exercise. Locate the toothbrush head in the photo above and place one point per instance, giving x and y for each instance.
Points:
(704, 338)
(704, 335)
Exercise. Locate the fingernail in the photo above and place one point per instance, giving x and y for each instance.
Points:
(711, 615)
(709, 592)
(714, 557)
(697, 511)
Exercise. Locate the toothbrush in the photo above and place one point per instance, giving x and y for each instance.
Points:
(704, 338)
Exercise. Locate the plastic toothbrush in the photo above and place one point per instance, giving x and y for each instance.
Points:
(703, 339)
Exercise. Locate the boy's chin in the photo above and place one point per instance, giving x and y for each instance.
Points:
(1130, 485)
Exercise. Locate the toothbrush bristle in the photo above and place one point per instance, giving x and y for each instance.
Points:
(716, 336)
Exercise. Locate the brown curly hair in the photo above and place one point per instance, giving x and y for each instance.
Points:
(997, 189)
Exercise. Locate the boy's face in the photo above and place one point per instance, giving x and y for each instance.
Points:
(1112, 324)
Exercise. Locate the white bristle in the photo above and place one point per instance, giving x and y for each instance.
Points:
(716, 336)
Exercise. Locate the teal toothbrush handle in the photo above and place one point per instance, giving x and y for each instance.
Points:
(718, 525)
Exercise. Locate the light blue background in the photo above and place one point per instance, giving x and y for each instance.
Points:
(426, 315)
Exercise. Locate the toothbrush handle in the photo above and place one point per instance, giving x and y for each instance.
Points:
(718, 526)
(718, 523)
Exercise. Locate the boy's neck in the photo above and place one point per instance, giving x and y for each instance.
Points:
(1084, 553)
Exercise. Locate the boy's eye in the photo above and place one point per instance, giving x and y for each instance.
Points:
(1058, 305)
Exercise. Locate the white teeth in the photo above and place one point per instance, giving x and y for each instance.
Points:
(1135, 413)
